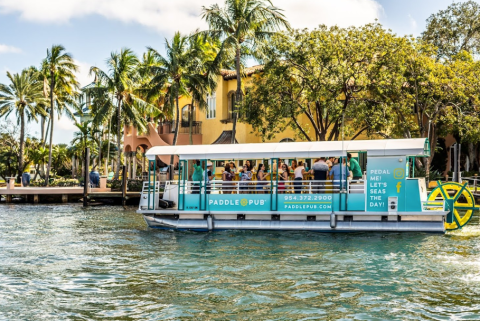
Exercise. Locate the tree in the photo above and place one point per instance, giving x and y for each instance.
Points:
(241, 26)
(86, 136)
(168, 76)
(455, 29)
(320, 83)
(201, 78)
(59, 71)
(121, 83)
(24, 97)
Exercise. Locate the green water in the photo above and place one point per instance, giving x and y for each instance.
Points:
(66, 263)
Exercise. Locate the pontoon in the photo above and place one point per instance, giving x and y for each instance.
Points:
(386, 199)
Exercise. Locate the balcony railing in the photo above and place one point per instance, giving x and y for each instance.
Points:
(168, 127)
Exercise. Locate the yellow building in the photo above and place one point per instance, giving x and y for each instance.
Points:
(211, 126)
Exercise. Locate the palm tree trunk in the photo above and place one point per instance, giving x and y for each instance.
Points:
(177, 123)
(42, 129)
(52, 86)
(44, 139)
(117, 170)
(22, 143)
(108, 148)
(100, 151)
(238, 97)
(190, 121)
(37, 171)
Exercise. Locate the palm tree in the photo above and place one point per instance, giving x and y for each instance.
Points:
(201, 78)
(86, 136)
(121, 83)
(241, 26)
(39, 156)
(169, 76)
(59, 71)
(23, 96)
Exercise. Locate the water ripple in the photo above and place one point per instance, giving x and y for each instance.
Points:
(66, 263)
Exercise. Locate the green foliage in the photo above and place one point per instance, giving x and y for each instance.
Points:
(242, 26)
(120, 95)
(115, 184)
(318, 82)
(455, 29)
(24, 97)
(135, 185)
(37, 183)
(433, 175)
(58, 71)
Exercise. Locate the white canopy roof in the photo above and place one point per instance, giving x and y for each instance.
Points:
(385, 147)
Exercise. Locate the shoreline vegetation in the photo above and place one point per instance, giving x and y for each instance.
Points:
(348, 82)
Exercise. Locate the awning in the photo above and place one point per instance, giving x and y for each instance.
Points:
(386, 147)
(224, 138)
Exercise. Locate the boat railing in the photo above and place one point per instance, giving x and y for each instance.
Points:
(268, 187)
(436, 205)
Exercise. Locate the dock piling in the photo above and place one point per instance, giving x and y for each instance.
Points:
(124, 185)
(86, 180)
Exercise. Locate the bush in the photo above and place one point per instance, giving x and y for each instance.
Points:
(38, 183)
(65, 182)
(135, 185)
(434, 174)
(115, 184)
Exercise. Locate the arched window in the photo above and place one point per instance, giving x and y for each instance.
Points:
(185, 115)
(287, 140)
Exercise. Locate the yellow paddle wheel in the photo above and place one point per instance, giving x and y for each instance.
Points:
(458, 200)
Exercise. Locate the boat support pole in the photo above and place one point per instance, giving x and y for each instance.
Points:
(210, 222)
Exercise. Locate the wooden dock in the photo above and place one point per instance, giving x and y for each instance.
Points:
(64, 194)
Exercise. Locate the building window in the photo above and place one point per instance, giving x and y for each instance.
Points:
(186, 113)
(287, 140)
(211, 106)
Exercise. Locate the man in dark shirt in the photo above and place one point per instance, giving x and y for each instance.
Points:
(320, 173)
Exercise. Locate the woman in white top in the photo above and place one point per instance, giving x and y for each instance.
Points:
(298, 173)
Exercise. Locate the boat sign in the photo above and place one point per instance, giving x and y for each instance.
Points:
(385, 177)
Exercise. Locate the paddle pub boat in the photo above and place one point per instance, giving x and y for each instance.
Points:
(388, 198)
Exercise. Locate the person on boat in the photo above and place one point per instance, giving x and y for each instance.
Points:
(249, 165)
(330, 161)
(261, 178)
(197, 176)
(209, 177)
(354, 167)
(282, 178)
(233, 169)
(298, 181)
(227, 178)
(245, 178)
(293, 166)
(339, 175)
(320, 174)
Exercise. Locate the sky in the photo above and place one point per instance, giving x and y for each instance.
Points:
(91, 29)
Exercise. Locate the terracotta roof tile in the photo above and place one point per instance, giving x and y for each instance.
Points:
(232, 74)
